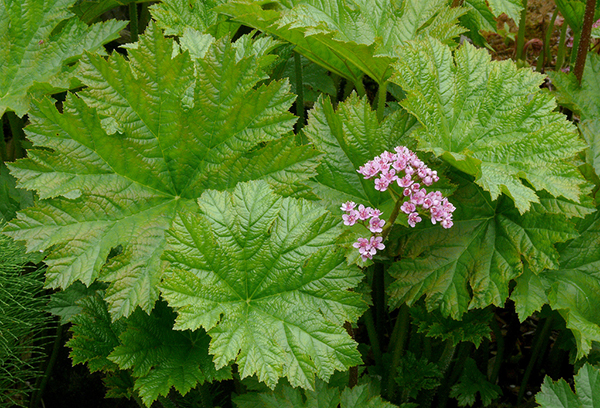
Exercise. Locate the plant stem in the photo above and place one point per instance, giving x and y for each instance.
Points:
(373, 338)
(537, 349)
(499, 351)
(16, 128)
(360, 87)
(562, 47)
(378, 291)
(3, 152)
(584, 42)
(138, 400)
(300, 92)
(521, 34)
(549, 32)
(397, 344)
(443, 364)
(353, 372)
(133, 21)
(390, 222)
(381, 100)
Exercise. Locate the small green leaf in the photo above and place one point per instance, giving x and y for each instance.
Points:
(512, 8)
(94, 335)
(490, 120)
(33, 53)
(559, 394)
(66, 303)
(471, 383)
(415, 375)
(474, 326)
(161, 358)
(262, 275)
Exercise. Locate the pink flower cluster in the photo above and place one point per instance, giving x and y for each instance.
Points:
(389, 167)
(365, 215)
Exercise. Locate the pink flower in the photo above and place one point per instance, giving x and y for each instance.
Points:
(348, 206)
(381, 184)
(413, 219)
(405, 181)
(447, 223)
(376, 243)
(350, 218)
(376, 225)
(408, 207)
(375, 212)
(364, 213)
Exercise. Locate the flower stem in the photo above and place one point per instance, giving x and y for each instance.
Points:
(390, 222)
(521, 33)
(549, 32)
(133, 21)
(381, 100)
(537, 349)
(397, 344)
(584, 42)
(299, 92)
(562, 47)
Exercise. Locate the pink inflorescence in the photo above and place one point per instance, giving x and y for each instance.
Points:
(367, 247)
(409, 172)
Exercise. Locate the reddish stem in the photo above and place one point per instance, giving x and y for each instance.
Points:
(584, 43)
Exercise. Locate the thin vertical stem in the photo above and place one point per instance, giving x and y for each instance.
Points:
(373, 337)
(3, 152)
(541, 336)
(521, 34)
(549, 32)
(299, 92)
(16, 128)
(397, 345)
(499, 351)
(381, 100)
(562, 47)
(584, 42)
(133, 21)
(353, 372)
(360, 87)
(37, 397)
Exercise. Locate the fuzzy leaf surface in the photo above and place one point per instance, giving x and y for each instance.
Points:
(262, 275)
(471, 264)
(350, 38)
(33, 54)
(161, 358)
(141, 143)
(560, 395)
(489, 119)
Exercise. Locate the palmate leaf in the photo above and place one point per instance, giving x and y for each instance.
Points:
(33, 57)
(471, 264)
(161, 358)
(158, 356)
(490, 120)
(176, 130)
(560, 395)
(262, 275)
(350, 38)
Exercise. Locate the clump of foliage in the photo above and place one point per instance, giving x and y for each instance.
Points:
(187, 198)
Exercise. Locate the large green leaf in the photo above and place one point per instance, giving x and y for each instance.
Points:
(40, 39)
(471, 264)
(143, 141)
(174, 16)
(350, 38)
(560, 395)
(262, 275)
(490, 120)
(574, 289)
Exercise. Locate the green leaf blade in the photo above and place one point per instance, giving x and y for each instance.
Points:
(274, 302)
